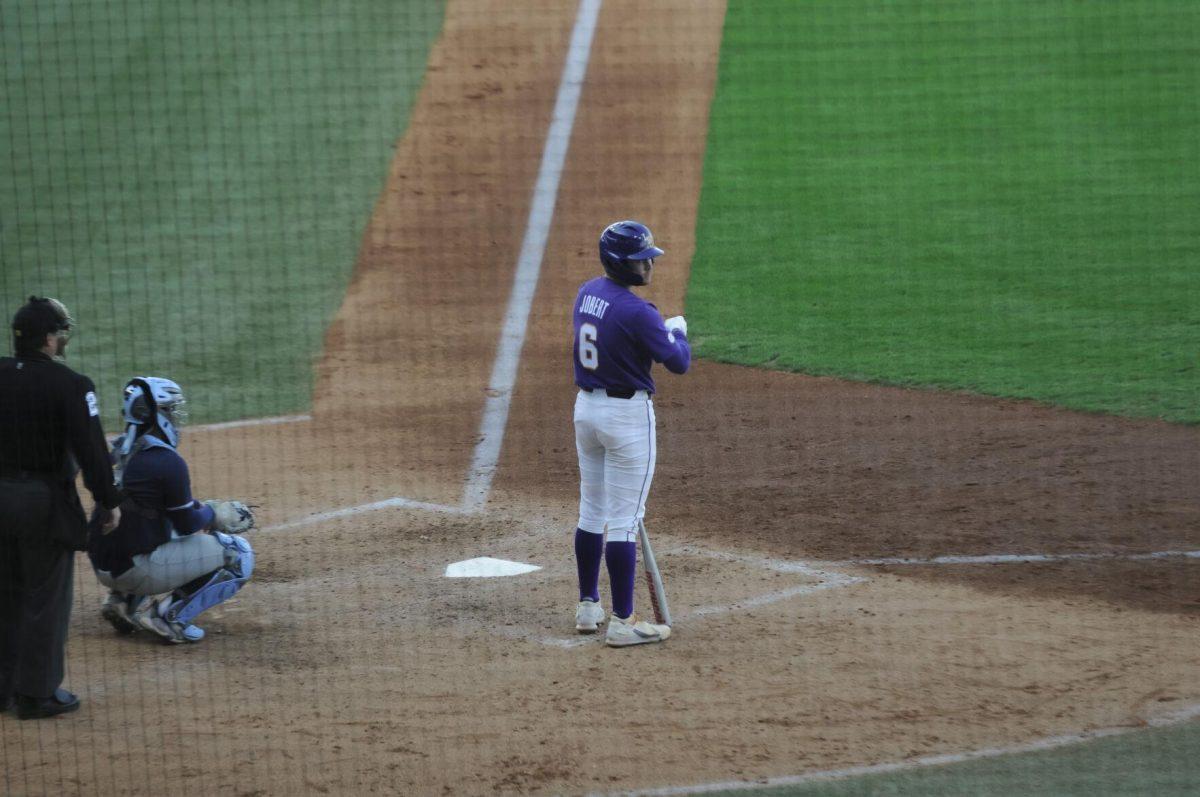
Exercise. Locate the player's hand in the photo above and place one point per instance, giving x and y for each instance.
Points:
(231, 517)
(677, 323)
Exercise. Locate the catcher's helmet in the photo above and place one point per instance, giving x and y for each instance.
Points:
(154, 403)
(622, 243)
(37, 318)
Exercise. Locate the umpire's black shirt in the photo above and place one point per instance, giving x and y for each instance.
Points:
(50, 425)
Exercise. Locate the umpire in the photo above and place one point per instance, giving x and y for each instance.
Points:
(49, 430)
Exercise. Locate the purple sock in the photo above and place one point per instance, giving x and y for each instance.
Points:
(621, 558)
(589, 550)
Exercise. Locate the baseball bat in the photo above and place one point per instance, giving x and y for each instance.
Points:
(658, 595)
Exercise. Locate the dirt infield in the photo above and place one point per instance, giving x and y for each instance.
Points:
(351, 665)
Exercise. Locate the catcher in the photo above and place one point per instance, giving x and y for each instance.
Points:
(171, 557)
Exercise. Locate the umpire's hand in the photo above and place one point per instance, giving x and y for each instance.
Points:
(114, 517)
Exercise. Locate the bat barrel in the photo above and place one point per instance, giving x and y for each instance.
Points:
(658, 594)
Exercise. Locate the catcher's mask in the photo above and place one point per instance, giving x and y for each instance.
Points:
(153, 403)
(623, 243)
(37, 318)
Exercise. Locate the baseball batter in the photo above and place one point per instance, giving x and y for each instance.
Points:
(618, 337)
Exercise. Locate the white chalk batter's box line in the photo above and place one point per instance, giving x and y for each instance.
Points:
(827, 573)
(824, 579)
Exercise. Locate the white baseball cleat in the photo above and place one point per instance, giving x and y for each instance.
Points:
(588, 617)
(622, 633)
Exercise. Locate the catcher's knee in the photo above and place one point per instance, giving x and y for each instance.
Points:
(221, 585)
(239, 556)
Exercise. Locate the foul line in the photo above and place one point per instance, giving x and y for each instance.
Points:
(278, 419)
(1000, 559)
(529, 264)
(388, 503)
(512, 339)
(1177, 717)
(516, 319)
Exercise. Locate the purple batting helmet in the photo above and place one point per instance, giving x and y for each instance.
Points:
(622, 243)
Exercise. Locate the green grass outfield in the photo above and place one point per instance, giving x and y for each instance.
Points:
(193, 179)
(1160, 762)
(994, 196)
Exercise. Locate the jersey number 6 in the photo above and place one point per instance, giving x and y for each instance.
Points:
(589, 355)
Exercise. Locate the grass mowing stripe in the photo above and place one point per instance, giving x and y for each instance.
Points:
(990, 196)
(193, 179)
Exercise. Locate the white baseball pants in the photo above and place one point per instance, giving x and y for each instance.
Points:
(615, 442)
(168, 566)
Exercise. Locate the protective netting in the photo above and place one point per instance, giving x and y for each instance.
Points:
(351, 232)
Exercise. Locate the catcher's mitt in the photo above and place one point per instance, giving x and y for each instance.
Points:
(231, 517)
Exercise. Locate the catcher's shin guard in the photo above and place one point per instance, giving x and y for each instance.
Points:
(221, 586)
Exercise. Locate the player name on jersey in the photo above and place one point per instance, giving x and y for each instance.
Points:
(593, 305)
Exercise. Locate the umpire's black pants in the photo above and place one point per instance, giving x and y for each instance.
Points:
(35, 592)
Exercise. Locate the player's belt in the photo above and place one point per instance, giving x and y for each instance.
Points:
(616, 392)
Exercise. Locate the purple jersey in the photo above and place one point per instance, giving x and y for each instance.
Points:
(619, 335)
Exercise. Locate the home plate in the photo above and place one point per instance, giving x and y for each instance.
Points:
(487, 567)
